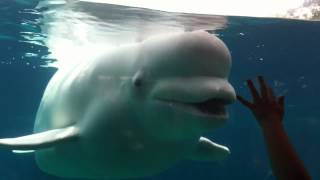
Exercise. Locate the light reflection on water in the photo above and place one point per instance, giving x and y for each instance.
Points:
(77, 30)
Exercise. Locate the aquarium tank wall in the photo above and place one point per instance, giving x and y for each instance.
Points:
(276, 40)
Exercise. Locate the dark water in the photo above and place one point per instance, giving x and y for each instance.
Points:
(286, 52)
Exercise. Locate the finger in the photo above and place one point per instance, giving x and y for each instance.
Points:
(281, 101)
(253, 91)
(245, 102)
(271, 96)
(263, 87)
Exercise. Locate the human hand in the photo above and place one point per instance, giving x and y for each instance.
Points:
(266, 107)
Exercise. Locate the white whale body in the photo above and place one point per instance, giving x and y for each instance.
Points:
(135, 111)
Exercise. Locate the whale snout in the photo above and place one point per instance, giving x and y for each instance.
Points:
(202, 96)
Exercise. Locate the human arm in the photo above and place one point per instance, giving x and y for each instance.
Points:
(269, 112)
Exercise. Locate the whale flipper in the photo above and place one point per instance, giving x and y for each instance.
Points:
(40, 140)
(209, 151)
(23, 151)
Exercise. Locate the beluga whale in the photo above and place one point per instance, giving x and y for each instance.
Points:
(134, 111)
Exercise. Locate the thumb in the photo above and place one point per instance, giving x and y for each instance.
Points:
(244, 102)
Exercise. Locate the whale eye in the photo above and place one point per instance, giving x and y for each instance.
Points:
(137, 82)
(137, 79)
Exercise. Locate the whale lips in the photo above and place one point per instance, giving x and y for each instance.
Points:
(212, 107)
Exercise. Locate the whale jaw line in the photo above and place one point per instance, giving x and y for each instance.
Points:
(210, 108)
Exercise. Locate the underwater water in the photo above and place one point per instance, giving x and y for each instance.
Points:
(284, 51)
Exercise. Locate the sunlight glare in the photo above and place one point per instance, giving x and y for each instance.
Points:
(259, 8)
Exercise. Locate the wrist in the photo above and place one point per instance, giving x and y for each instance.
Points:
(272, 127)
(268, 118)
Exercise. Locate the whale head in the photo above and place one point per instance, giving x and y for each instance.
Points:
(182, 80)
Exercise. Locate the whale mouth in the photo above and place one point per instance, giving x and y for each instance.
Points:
(213, 107)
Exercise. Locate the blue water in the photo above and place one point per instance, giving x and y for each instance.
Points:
(286, 52)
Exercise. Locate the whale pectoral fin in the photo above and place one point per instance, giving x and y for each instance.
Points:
(209, 151)
(40, 140)
(23, 151)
